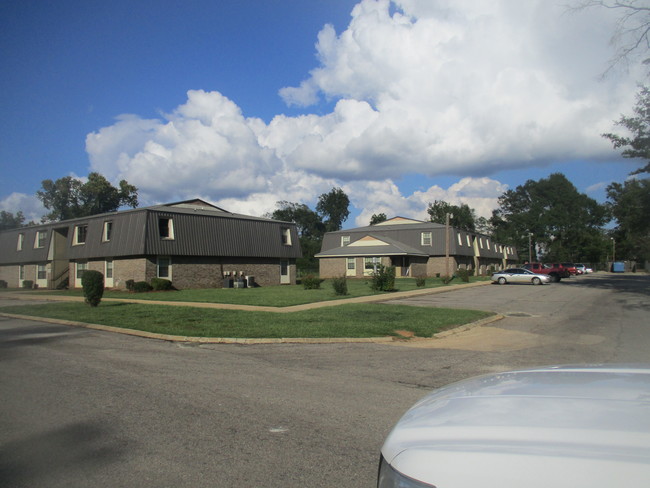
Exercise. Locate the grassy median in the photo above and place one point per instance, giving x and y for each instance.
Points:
(353, 320)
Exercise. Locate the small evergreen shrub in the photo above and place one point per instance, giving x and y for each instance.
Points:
(161, 284)
(311, 282)
(420, 281)
(130, 285)
(141, 287)
(28, 284)
(463, 274)
(340, 286)
(3, 284)
(93, 286)
(383, 279)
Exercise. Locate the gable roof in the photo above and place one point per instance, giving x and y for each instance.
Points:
(372, 245)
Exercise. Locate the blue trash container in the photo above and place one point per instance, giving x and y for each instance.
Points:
(618, 267)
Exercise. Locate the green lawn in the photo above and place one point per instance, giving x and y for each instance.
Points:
(352, 320)
(273, 296)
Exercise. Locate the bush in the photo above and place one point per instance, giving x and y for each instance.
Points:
(463, 274)
(383, 279)
(311, 282)
(420, 281)
(141, 287)
(130, 285)
(340, 286)
(3, 284)
(28, 284)
(93, 285)
(161, 284)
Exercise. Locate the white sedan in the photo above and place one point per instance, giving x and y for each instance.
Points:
(559, 426)
(519, 275)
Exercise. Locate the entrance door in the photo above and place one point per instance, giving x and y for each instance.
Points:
(285, 277)
(351, 267)
(108, 274)
(79, 270)
(41, 275)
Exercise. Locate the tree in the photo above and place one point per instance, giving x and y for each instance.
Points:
(10, 221)
(638, 145)
(333, 209)
(462, 217)
(631, 38)
(630, 205)
(560, 222)
(377, 218)
(69, 198)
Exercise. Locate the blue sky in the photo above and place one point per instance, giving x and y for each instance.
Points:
(250, 102)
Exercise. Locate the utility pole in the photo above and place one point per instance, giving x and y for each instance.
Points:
(530, 247)
(447, 216)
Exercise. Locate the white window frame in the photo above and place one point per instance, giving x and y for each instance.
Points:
(169, 267)
(169, 235)
(460, 239)
(107, 231)
(426, 239)
(469, 241)
(21, 242)
(345, 241)
(41, 238)
(286, 236)
(77, 234)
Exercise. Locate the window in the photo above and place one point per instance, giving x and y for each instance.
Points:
(41, 273)
(286, 236)
(109, 269)
(425, 239)
(480, 242)
(351, 263)
(166, 228)
(41, 237)
(460, 240)
(80, 234)
(165, 267)
(21, 272)
(487, 243)
(469, 241)
(345, 240)
(108, 231)
(81, 267)
(21, 242)
(370, 265)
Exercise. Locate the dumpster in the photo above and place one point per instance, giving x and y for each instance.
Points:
(618, 267)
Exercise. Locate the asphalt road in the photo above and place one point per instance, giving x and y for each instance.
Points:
(80, 407)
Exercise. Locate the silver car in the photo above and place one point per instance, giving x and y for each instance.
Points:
(559, 426)
(519, 275)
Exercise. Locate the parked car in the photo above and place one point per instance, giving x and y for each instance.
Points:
(519, 275)
(570, 267)
(555, 271)
(582, 269)
(559, 426)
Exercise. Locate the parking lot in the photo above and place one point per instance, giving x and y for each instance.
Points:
(84, 407)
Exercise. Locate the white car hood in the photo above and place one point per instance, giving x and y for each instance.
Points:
(550, 427)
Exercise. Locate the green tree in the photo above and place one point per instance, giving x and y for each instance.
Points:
(630, 206)
(333, 209)
(69, 198)
(554, 217)
(638, 144)
(10, 221)
(461, 217)
(378, 218)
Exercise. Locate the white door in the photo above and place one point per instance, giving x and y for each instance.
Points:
(285, 277)
(108, 273)
(41, 275)
(79, 271)
(351, 267)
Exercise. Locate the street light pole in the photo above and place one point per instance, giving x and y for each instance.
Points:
(447, 245)
(613, 249)
(530, 247)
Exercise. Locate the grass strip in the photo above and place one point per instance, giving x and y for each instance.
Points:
(270, 296)
(353, 320)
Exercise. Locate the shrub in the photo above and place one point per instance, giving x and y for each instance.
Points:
(28, 284)
(141, 287)
(463, 274)
(93, 285)
(130, 285)
(383, 279)
(161, 284)
(446, 279)
(3, 284)
(340, 286)
(420, 281)
(311, 282)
